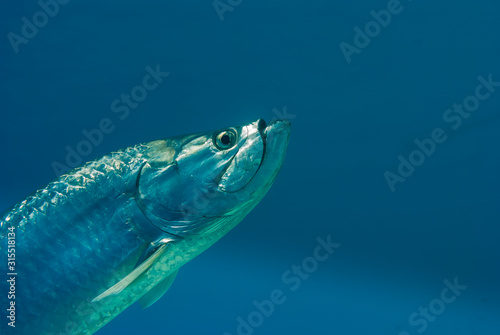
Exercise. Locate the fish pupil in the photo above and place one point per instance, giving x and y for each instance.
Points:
(225, 139)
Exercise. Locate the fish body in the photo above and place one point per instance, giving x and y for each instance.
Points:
(118, 229)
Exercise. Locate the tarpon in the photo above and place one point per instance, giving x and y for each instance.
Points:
(117, 230)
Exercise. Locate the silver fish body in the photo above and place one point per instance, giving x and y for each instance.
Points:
(117, 230)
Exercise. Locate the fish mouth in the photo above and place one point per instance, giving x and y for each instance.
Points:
(274, 125)
(262, 127)
(280, 127)
(276, 136)
(269, 132)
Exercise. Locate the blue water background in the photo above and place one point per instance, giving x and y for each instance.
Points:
(350, 121)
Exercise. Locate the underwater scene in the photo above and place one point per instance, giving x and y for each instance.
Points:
(237, 167)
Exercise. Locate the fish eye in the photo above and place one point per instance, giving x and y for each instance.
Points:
(225, 139)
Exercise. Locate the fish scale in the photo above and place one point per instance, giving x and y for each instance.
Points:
(75, 229)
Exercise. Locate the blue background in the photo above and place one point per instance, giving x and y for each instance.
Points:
(350, 124)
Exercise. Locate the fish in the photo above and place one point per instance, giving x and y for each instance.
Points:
(116, 230)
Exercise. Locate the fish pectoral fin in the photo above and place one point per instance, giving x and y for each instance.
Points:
(158, 291)
(142, 268)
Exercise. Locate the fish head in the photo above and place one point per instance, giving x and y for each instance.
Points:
(206, 183)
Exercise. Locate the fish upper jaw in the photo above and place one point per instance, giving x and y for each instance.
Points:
(276, 134)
